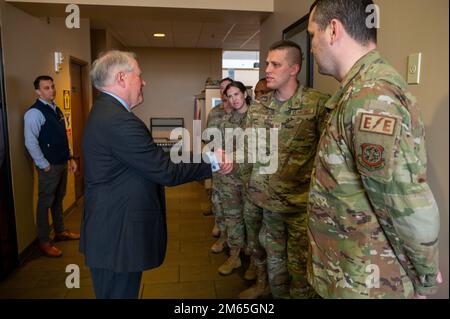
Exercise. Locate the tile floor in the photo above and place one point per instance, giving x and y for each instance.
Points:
(189, 270)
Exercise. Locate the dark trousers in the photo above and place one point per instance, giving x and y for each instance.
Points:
(52, 188)
(115, 285)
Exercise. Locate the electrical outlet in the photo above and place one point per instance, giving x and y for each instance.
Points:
(414, 68)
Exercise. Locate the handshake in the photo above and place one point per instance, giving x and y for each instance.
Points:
(220, 162)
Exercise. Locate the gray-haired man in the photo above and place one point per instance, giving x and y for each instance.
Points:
(123, 228)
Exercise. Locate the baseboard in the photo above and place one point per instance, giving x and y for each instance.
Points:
(32, 248)
(28, 251)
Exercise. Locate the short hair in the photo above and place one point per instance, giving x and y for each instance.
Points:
(241, 87)
(105, 68)
(40, 78)
(351, 13)
(294, 51)
(226, 79)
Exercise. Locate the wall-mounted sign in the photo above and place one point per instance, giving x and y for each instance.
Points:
(66, 97)
(67, 120)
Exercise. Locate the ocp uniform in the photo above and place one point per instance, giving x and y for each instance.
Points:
(280, 199)
(371, 213)
(233, 191)
(215, 117)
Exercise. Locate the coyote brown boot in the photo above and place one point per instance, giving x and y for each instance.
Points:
(260, 288)
(250, 273)
(219, 245)
(233, 262)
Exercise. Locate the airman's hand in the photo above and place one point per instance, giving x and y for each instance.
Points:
(438, 280)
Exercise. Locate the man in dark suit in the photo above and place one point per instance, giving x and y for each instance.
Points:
(123, 228)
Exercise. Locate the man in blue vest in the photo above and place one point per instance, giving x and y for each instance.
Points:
(46, 141)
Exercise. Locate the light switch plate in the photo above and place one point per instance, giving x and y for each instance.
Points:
(414, 68)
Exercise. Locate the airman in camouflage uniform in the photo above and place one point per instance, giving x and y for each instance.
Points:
(373, 221)
(233, 194)
(276, 212)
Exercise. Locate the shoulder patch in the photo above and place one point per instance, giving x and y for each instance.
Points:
(379, 124)
(372, 156)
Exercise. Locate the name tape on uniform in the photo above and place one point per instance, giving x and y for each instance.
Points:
(377, 124)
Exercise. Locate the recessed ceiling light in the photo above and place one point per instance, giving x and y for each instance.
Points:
(159, 35)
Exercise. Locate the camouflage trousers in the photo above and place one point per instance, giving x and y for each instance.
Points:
(232, 196)
(253, 216)
(286, 245)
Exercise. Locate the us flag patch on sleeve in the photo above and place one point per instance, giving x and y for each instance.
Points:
(379, 124)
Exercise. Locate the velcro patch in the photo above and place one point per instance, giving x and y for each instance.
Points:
(378, 124)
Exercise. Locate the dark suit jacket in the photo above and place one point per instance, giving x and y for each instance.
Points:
(123, 226)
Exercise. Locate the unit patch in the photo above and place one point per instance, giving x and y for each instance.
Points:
(378, 124)
(372, 156)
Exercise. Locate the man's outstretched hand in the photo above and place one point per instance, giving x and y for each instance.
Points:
(225, 163)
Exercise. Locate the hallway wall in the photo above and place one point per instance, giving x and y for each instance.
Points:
(29, 44)
(427, 34)
(173, 77)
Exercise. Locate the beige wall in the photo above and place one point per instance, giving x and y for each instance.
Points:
(28, 47)
(173, 77)
(407, 26)
(112, 43)
(429, 34)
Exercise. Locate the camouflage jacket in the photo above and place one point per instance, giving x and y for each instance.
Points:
(373, 221)
(298, 122)
(236, 124)
(216, 117)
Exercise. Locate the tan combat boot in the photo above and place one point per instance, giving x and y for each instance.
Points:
(219, 245)
(260, 288)
(233, 262)
(250, 274)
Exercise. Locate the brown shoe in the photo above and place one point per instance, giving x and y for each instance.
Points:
(49, 250)
(66, 235)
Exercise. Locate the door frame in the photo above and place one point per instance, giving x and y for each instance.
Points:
(85, 98)
(84, 82)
